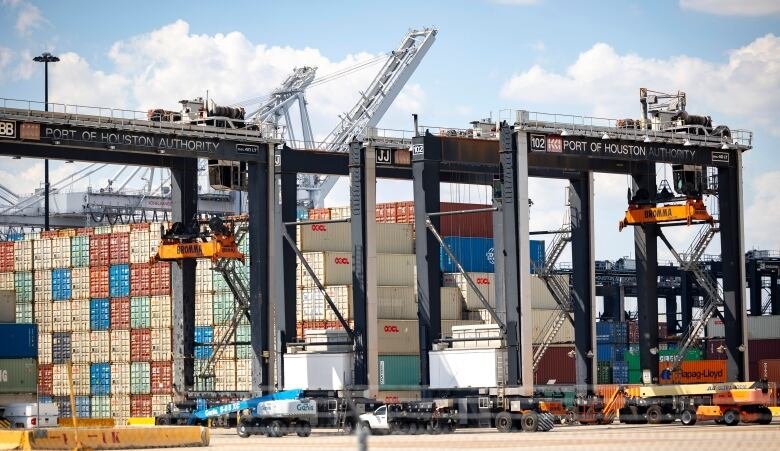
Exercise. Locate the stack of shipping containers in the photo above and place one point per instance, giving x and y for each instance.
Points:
(611, 350)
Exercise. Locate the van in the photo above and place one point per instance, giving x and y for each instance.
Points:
(32, 415)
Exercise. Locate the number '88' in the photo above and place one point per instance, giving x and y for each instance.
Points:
(7, 128)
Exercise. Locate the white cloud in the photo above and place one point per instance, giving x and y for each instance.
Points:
(73, 81)
(761, 226)
(6, 56)
(25, 66)
(733, 8)
(28, 17)
(746, 86)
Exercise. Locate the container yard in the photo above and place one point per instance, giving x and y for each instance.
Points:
(234, 303)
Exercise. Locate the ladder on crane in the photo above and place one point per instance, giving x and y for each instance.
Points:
(559, 289)
(691, 261)
(239, 287)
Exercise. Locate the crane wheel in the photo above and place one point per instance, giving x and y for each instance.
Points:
(504, 422)
(529, 422)
(765, 415)
(303, 429)
(731, 417)
(413, 428)
(275, 429)
(243, 431)
(688, 417)
(655, 415)
(546, 422)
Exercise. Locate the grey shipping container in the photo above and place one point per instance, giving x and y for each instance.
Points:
(60, 347)
(18, 375)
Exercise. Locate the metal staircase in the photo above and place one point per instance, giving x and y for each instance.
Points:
(690, 261)
(239, 285)
(560, 291)
(500, 378)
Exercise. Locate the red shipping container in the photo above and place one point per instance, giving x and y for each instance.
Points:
(160, 278)
(633, 332)
(120, 248)
(763, 349)
(319, 213)
(140, 278)
(99, 249)
(404, 212)
(88, 231)
(386, 213)
(98, 281)
(162, 378)
(7, 256)
(768, 369)
(715, 349)
(66, 232)
(140, 226)
(468, 225)
(140, 345)
(141, 405)
(120, 313)
(556, 364)
(662, 330)
(45, 379)
(48, 234)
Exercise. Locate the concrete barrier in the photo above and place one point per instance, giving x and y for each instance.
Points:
(106, 438)
(87, 422)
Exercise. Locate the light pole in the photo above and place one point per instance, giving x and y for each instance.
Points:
(46, 58)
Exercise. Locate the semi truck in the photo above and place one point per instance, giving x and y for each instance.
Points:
(411, 418)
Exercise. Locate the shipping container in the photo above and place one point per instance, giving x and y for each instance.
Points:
(604, 373)
(225, 371)
(23, 284)
(319, 213)
(161, 311)
(485, 282)
(100, 379)
(100, 346)
(99, 250)
(44, 347)
(120, 409)
(337, 237)
(60, 385)
(121, 228)
(140, 312)
(204, 336)
(139, 246)
(220, 334)
(474, 254)
(99, 314)
(80, 315)
(24, 312)
(18, 375)
(619, 372)
(42, 254)
(317, 371)
(140, 279)
(203, 383)
(79, 251)
(120, 345)
(223, 307)
(758, 327)
(542, 321)
(140, 345)
(160, 279)
(478, 332)
(203, 276)
(161, 376)
(45, 379)
(335, 268)
(243, 334)
(396, 396)
(80, 283)
(693, 372)
(23, 256)
(119, 280)
(156, 230)
(160, 404)
(119, 248)
(60, 347)
(63, 406)
(80, 347)
(768, 369)
(120, 378)
(60, 252)
(120, 313)
(98, 282)
(43, 311)
(399, 372)
(140, 405)
(204, 309)
(161, 344)
(7, 283)
(6, 256)
(556, 366)
(611, 332)
(81, 382)
(610, 352)
(61, 311)
(762, 350)
(464, 368)
(100, 407)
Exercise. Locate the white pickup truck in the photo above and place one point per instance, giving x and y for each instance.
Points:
(409, 418)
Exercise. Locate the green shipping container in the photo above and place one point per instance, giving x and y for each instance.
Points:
(140, 383)
(24, 312)
(603, 373)
(23, 285)
(18, 376)
(690, 354)
(634, 376)
(223, 305)
(243, 334)
(399, 372)
(140, 312)
(100, 407)
(79, 251)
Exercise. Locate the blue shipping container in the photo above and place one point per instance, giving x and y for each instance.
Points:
(44, 399)
(203, 335)
(302, 213)
(61, 284)
(611, 332)
(99, 314)
(16, 236)
(537, 255)
(100, 378)
(610, 352)
(474, 254)
(82, 407)
(119, 281)
(60, 347)
(63, 405)
(20, 341)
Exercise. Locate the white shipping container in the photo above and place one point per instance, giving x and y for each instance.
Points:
(42, 312)
(42, 254)
(398, 336)
(42, 285)
(160, 404)
(758, 327)
(120, 379)
(161, 311)
(317, 371)
(310, 304)
(23, 256)
(139, 246)
(398, 302)
(337, 237)
(204, 309)
(542, 320)
(335, 268)
(486, 283)
(60, 386)
(325, 337)
(100, 346)
(60, 252)
(225, 371)
(464, 368)
(79, 313)
(155, 236)
(61, 312)
(7, 281)
(203, 276)
(540, 294)
(79, 283)
(480, 332)
(120, 228)
(102, 230)
(80, 347)
(120, 408)
(44, 347)
(120, 346)
(227, 352)
(81, 383)
(340, 212)
(161, 344)
(243, 375)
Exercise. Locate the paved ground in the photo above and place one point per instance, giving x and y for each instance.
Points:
(706, 436)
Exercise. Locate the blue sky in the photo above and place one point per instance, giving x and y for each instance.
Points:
(557, 56)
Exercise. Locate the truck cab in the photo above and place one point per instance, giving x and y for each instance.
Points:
(376, 420)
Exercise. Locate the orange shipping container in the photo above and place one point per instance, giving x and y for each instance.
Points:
(693, 372)
(99, 250)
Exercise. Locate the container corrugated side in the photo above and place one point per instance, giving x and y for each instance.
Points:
(19, 341)
(337, 237)
(23, 256)
(139, 246)
(80, 283)
(60, 252)
(161, 344)
(243, 375)
(161, 311)
(204, 309)
(79, 314)
(225, 371)
(203, 276)
(80, 352)
(693, 372)
(42, 254)
(120, 378)
(556, 365)
(542, 320)
(100, 407)
(44, 347)
(100, 346)
(18, 375)
(399, 372)
(226, 352)
(335, 268)
(485, 283)
(120, 409)
(464, 368)
(79, 251)
(120, 346)
(759, 327)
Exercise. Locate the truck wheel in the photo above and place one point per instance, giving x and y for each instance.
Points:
(655, 415)
(570, 418)
(764, 415)
(546, 422)
(162, 421)
(303, 429)
(404, 427)
(504, 422)
(366, 427)
(731, 417)
(688, 417)
(275, 429)
(243, 431)
(413, 428)
(349, 427)
(529, 422)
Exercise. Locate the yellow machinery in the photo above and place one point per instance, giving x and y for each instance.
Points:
(730, 406)
(686, 213)
(192, 241)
